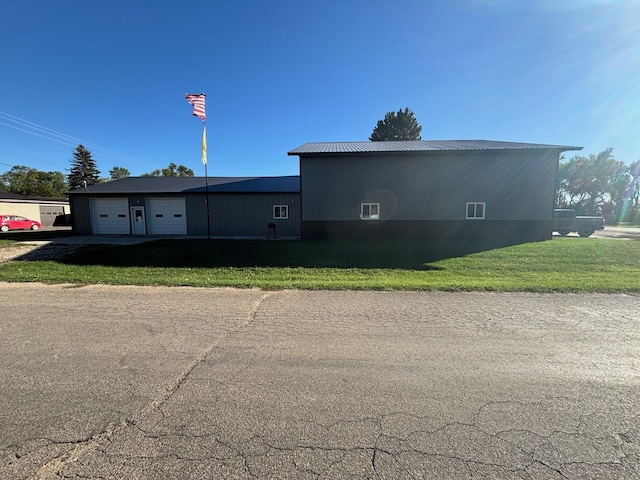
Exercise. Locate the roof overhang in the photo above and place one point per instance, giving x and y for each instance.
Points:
(417, 147)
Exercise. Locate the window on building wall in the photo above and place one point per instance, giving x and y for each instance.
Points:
(475, 210)
(281, 211)
(370, 211)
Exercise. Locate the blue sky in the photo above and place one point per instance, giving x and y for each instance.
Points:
(279, 73)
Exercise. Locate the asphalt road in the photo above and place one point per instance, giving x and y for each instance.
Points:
(151, 382)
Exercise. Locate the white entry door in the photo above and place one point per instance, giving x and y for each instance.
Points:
(138, 223)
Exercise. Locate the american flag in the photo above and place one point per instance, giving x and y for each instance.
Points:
(197, 100)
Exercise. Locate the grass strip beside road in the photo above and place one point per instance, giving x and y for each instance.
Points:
(558, 265)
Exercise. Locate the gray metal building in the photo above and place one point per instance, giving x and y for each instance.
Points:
(243, 206)
(464, 189)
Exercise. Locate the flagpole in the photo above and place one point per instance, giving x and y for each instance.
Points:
(198, 100)
(206, 178)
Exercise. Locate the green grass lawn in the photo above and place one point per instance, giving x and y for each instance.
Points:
(559, 265)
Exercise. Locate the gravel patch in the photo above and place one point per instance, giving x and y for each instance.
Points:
(33, 252)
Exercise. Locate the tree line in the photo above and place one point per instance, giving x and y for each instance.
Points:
(83, 172)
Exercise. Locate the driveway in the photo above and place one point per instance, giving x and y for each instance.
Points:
(632, 233)
(152, 382)
(619, 232)
(57, 247)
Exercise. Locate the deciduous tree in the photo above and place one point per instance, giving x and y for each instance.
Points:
(34, 183)
(591, 183)
(172, 170)
(630, 211)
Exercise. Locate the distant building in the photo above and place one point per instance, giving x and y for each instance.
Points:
(47, 211)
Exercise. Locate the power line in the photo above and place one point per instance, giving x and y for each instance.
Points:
(17, 156)
(49, 134)
(34, 133)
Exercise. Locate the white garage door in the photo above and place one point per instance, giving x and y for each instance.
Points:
(110, 216)
(166, 216)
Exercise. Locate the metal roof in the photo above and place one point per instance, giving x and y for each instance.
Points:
(137, 185)
(13, 196)
(17, 197)
(418, 146)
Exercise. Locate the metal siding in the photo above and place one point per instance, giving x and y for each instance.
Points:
(497, 233)
(196, 208)
(249, 214)
(523, 186)
(330, 188)
(407, 188)
(232, 214)
(514, 185)
(81, 215)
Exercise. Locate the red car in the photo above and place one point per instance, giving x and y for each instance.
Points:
(16, 222)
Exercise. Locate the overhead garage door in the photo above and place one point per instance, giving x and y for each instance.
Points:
(110, 216)
(53, 215)
(166, 216)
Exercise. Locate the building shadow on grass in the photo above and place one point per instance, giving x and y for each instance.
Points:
(410, 255)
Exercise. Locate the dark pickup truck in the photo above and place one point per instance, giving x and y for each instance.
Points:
(566, 221)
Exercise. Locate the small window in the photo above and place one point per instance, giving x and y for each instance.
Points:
(475, 210)
(159, 215)
(177, 215)
(281, 211)
(104, 215)
(370, 211)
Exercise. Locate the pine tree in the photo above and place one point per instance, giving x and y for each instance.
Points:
(395, 127)
(83, 171)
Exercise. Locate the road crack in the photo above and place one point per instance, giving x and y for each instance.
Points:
(52, 468)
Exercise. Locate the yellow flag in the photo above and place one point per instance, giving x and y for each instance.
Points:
(204, 145)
